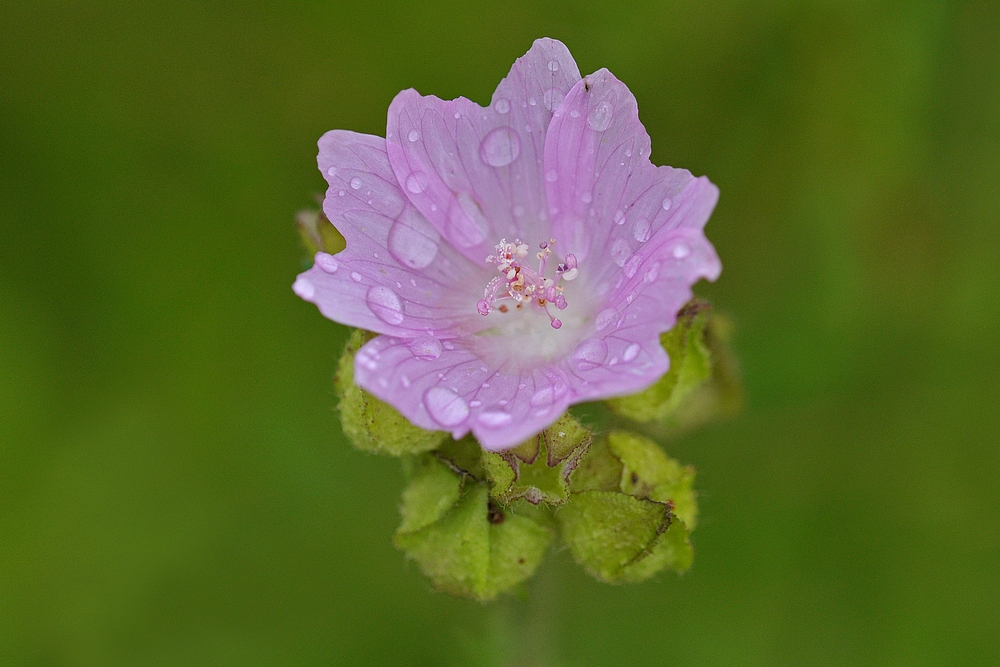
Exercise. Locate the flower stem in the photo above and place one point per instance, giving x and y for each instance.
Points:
(525, 624)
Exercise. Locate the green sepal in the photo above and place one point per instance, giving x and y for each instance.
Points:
(464, 456)
(317, 233)
(647, 472)
(619, 538)
(474, 547)
(690, 366)
(538, 469)
(373, 425)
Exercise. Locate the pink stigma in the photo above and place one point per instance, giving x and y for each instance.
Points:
(523, 285)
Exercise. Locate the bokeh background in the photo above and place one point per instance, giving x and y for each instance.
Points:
(174, 485)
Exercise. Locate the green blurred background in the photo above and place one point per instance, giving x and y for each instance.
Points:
(174, 485)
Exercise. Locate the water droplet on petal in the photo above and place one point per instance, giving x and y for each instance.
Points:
(586, 197)
(632, 265)
(553, 65)
(414, 135)
(416, 182)
(303, 288)
(666, 204)
(326, 262)
(552, 176)
(495, 418)
(355, 276)
(600, 117)
(518, 210)
(631, 297)
(427, 348)
(501, 106)
(620, 251)
(356, 183)
(500, 147)
(590, 354)
(631, 352)
(405, 381)
(445, 406)
(332, 171)
(652, 273)
(574, 113)
(641, 230)
(547, 396)
(619, 217)
(386, 305)
(681, 251)
(552, 98)
(413, 283)
(475, 404)
(604, 318)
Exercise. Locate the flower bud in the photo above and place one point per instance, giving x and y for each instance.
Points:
(538, 469)
(461, 539)
(631, 510)
(370, 424)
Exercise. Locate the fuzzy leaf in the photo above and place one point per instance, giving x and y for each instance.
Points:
(647, 472)
(433, 490)
(476, 549)
(538, 469)
(370, 424)
(612, 534)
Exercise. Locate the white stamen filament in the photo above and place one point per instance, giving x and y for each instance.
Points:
(521, 284)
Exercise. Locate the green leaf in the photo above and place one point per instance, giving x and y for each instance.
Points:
(690, 366)
(618, 538)
(647, 472)
(433, 490)
(317, 233)
(538, 469)
(475, 548)
(370, 424)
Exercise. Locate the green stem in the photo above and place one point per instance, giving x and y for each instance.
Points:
(525, 625)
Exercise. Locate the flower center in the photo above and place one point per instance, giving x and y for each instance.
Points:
(519, 286)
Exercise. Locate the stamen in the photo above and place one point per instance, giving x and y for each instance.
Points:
(518, 282)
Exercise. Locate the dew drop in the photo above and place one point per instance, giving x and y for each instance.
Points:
(405, 381)
(501, 106)
(681, 251)
(553, 65)
(475, 403)
(332, 171)
(355, 276)
(386, 305)
(631, 352)
(413, 283)
(631, 297)
(620, 251)
(518, 210)
(326, 262)
(355, 183)
(303, 288)
(416, 182)
(619, 217)
(641, 230)
(667, 204)
(547, 396)
(445, 406)
(574, 113)
(552, 98)
(604, 318)
(414, 135)
(586, 197)
(632, 265)
(500, 147)
(341, 193)
(652, 273)
(495, 418)
(600, 117)
(427, 348)
(590, 354)
(552, 176)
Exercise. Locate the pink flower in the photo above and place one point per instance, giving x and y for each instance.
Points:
(516, 258)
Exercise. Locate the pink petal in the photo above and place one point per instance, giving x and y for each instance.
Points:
(477, 174)
(442, 385)
(395, 276)
(604, 194)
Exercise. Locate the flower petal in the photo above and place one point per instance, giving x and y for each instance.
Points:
(442, 385)
(624, 354)
(395, 276)
(477, 174)
(603, 192)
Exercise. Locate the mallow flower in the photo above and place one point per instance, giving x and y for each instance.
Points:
(516, 258)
